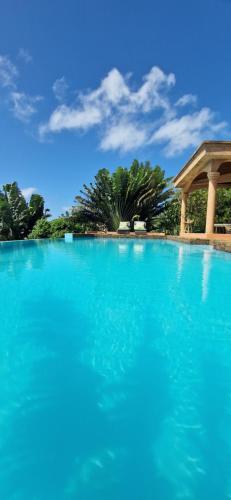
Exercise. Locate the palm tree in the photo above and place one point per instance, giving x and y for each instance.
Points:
(18, 208)
(17, 217)
(139, 192)
(37, 210)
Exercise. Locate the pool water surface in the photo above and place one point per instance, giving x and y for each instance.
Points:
(115, 371)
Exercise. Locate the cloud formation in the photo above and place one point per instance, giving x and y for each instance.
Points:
(24, 54)
(187, 131)
(60, 87)
(124, 136)
(27, 192)
(125, 116)
(129, 117)
(8, 72)
(187, 99)
(111, 101)
(22, 104)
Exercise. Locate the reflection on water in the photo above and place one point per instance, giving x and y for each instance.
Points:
(15, 257)
(115, 366)
(122, 247)
(138, 248)
(180, 261)
(206, 263)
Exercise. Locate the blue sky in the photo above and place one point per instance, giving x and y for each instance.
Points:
(86, 85)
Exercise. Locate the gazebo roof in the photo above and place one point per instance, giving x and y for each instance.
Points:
(194, 174)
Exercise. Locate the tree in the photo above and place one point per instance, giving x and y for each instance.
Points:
(6, 222)
(36, 210)
(42, 229)
(64, 225)
(223, 209)
(17, 217)
(140, 192)
(169, 220)
(55, 228)
(18, 208)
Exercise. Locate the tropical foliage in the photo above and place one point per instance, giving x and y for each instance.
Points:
(139, 192)
(169, 220)
(36, 210)
(55, 228)
(17, 217)
(40, 230)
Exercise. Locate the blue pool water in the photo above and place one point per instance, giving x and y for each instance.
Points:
(115, 371)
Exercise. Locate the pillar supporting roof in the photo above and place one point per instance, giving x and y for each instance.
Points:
(211, 156)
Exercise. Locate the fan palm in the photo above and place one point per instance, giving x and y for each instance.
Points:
(138, 192)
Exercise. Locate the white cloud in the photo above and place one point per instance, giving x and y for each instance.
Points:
(24, 54)
(68, 118)
(124, 136)
(126, 116)
(8, 72)
(110, 103)
(111, 97)
(151, 94)
(129, 118)
(188, 130)
(23, 105)
(59, 88)
(27, 192)
(187, 99)
(113, 88)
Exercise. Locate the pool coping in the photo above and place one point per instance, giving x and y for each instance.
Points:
(218, 245)
(114, 235)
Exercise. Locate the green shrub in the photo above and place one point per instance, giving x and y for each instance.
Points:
(42, 229)
(169, 220)
(64, 225)
(55, 228)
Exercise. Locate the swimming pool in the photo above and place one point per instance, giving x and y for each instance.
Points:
(115, 366)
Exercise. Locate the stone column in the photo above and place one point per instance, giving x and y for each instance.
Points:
(211, 203)
(183, 211)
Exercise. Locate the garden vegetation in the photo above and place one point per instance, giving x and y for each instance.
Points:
(141, 192)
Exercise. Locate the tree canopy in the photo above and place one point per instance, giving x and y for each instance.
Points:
(17, 217)
(139, 192)
(169, 220)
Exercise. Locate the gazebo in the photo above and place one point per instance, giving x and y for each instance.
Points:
(208, 168)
